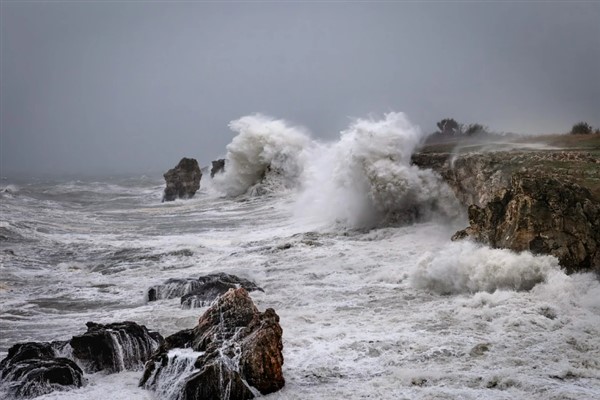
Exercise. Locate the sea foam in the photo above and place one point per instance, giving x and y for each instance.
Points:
(466, 267)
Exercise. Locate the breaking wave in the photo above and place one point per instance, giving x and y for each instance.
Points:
(465, 267)
(366, 179)
(363, 180)
(266, 155)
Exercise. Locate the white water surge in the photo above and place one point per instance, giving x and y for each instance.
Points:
(394, 312)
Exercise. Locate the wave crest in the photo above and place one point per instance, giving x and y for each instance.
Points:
(266, 153)
(366, 179)
(465, 267)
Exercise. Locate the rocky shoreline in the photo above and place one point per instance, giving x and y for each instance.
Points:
(547, 202)
(235, 352)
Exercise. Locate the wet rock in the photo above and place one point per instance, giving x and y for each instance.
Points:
(205, 294)
(114, 347)
(544, 216)
(182, 181)
(199, 292)
(218, 166)
(33, 369)
(238, 353)
(546, 202)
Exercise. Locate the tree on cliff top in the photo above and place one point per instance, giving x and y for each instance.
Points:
(448, 126)
(581, 128)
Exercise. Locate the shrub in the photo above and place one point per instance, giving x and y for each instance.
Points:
(448, 126)
(473, 129)
(581, 128)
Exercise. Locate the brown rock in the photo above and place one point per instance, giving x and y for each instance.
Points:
(544, 216)
(239, 353)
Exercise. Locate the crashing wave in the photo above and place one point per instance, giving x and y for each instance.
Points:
(265, 156)
(465, 267)
(366, 179)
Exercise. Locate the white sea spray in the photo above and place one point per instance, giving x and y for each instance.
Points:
(465, 267)
(263, 148)
(366, 178)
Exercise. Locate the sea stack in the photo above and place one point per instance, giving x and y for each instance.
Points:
(182, 181)
(217, 167)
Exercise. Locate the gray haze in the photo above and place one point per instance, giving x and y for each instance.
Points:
(111, 87)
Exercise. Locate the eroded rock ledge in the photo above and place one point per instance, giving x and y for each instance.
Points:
(544, 202)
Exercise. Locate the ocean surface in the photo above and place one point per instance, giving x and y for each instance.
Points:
(351, 245)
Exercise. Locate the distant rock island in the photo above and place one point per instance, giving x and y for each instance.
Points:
(540, 194)
(183, 181)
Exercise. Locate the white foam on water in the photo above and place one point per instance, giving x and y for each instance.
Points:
(180, 366)
(465, 267)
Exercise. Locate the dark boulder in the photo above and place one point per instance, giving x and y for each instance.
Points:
(205, 294)
(183, 181)
(235, 352)
(114, 347)
(199, 292)
(217, 167)
(33, 369)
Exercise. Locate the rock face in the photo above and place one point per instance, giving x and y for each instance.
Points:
(235, 352)
(199, 292)
(114, 347)
(544, 216)
(33, 369)
(217, 167)
(182, 181)
(536, 201)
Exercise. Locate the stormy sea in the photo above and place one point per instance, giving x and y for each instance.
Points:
(350, 243)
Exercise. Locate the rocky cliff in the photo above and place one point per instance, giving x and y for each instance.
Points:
(547, 202)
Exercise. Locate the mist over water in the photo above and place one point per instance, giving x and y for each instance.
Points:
(351, 245)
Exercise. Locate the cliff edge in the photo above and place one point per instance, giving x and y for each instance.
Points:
(545, 200)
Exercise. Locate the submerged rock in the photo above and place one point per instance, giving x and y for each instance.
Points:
(115, 347)
(33, 369)
(218, 166)
(199, 292)
(183, 181)
(235, 352)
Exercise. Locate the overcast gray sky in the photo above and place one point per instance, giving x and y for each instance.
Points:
(116, 86)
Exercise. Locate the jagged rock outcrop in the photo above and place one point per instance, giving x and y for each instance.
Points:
(217, 167)
(183, 181)
(114, 347)
(199, 292)
(474, 178)
(33, 369)
(235, 352)
(534, 201)
(544, 216)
